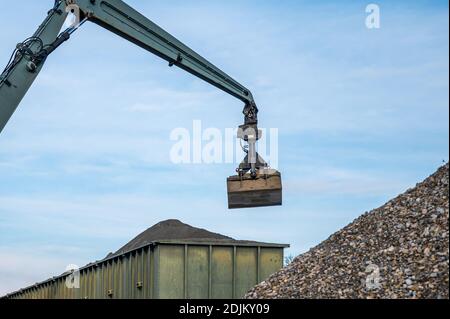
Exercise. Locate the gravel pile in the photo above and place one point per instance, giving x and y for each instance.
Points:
(399, 250)
(171, 229)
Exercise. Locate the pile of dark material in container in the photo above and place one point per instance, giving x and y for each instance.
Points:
(400, 250)
(171, 229)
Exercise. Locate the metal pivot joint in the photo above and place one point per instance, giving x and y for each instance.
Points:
(251, 113)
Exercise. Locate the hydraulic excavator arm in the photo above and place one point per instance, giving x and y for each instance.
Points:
(20, 71)
(118, 17)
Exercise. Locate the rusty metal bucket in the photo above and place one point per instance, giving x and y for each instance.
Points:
(247, 192)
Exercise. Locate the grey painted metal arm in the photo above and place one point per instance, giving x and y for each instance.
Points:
(17, 79)
(120, 18)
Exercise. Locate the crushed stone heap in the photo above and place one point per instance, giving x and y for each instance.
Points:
(169, 230)
(399, 250)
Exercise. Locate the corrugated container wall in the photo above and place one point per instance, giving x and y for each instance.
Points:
(169, 270)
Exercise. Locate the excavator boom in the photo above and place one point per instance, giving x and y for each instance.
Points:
(16, 79)
(121, 19)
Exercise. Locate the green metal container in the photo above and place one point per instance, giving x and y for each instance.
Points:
(169, 270)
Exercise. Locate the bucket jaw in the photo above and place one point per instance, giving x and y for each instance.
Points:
(247, 192)
(255, 185)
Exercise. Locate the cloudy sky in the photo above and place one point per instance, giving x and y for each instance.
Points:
(84, 162)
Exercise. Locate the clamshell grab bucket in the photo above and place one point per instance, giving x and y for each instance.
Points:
(248, 192)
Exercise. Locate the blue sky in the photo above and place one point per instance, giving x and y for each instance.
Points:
(84, 162)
